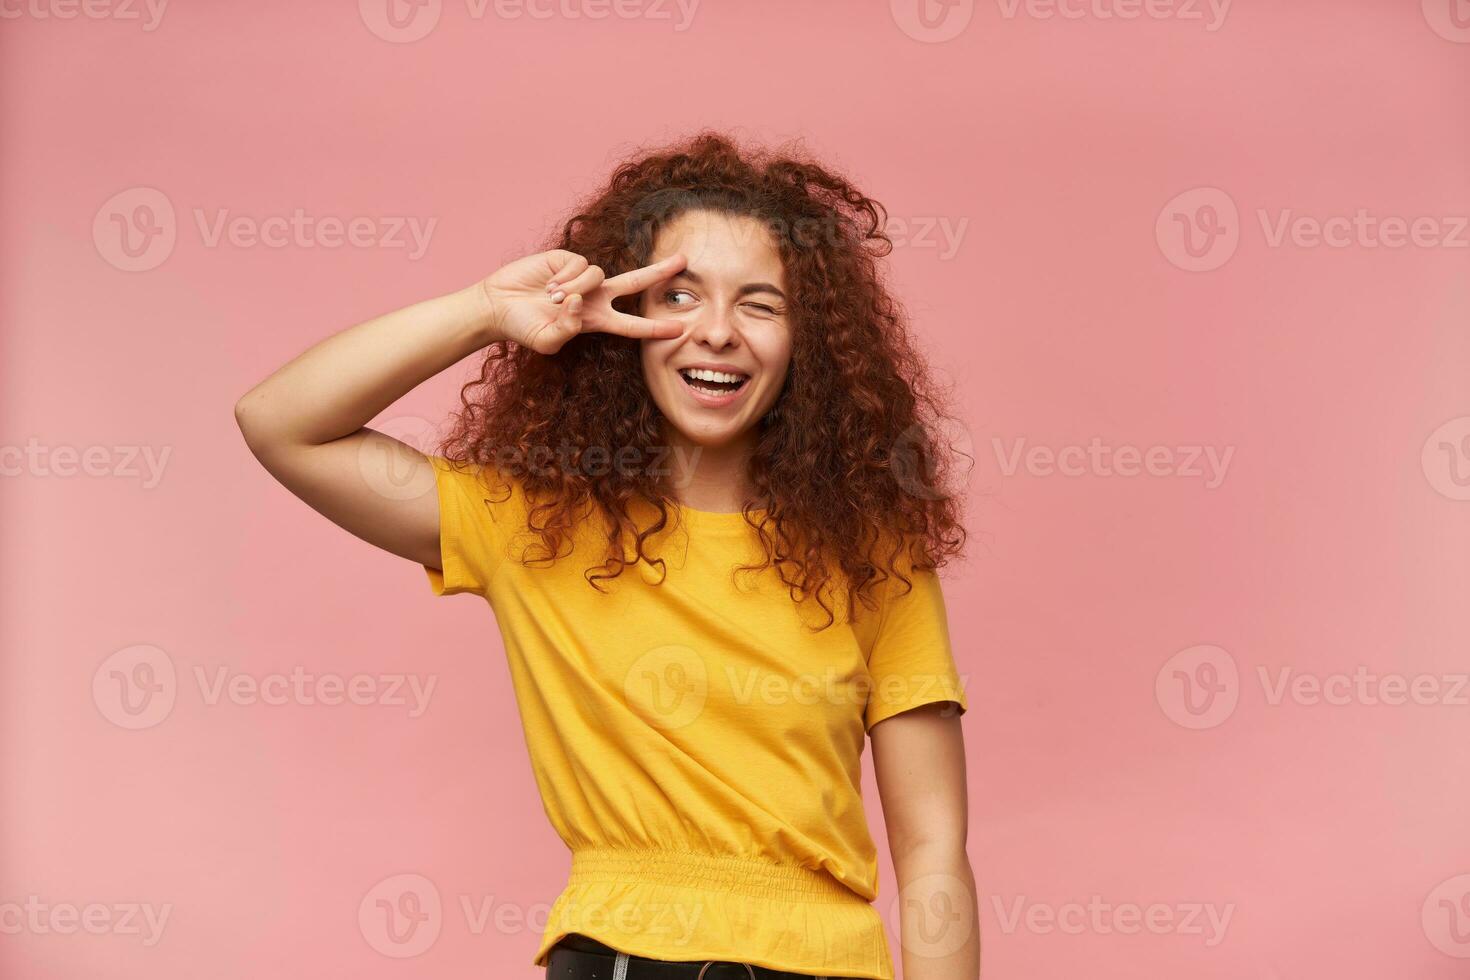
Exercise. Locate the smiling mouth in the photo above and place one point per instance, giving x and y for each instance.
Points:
(713, 382)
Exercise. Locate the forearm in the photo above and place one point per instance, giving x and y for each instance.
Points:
(939, 919)
(337, 386)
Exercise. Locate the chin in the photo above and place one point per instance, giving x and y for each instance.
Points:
(708, 437)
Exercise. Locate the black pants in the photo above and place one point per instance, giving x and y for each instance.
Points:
(559, 968)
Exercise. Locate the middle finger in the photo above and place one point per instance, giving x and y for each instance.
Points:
(589, 279)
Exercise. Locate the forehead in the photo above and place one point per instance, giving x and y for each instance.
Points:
(727, 246)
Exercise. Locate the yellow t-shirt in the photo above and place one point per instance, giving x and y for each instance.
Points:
(697, 747)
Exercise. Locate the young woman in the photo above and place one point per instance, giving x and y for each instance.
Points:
(699, 484)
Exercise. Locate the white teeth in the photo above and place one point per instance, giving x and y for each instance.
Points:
(702, 374)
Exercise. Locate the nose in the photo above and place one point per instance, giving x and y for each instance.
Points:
(715, 328)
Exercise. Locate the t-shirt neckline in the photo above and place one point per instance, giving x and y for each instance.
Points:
(714, 520)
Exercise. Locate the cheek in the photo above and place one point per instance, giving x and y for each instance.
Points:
(654, 369)
(777, 358)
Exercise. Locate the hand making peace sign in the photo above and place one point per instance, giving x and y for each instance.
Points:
(544, 300)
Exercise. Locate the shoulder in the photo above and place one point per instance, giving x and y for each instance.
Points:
(901, 578)
(499, 493)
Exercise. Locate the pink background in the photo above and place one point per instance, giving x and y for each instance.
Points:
(1333, 834)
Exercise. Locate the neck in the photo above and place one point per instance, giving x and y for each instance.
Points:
(713, 478)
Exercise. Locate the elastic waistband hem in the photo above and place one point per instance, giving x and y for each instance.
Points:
(756, 877)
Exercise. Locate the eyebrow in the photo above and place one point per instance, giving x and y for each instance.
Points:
(746, 290)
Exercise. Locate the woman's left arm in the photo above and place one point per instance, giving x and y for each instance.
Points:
(919, 762)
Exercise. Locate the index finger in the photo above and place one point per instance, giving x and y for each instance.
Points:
(640, 279)
(642, 328)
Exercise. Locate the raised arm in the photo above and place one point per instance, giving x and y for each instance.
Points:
(306, 422)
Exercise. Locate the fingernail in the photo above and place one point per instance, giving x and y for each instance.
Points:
(558, 296)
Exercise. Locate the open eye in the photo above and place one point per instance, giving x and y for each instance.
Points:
(670, 294)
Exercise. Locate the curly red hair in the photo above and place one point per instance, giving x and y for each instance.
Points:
(849, 470)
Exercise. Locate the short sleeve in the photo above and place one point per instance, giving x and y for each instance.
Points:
(472, 515)
(911, 662)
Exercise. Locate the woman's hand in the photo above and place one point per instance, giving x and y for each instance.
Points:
(544, 300)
